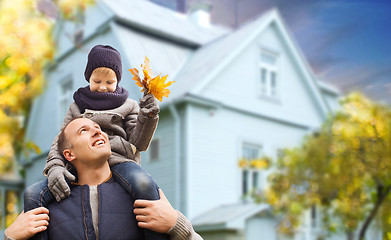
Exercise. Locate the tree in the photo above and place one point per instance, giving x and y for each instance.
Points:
(26, 47)
(344, 169)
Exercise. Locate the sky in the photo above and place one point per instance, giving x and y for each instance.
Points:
(346, 42)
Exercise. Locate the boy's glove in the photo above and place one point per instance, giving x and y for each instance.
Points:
(149, 105)
(57, 183)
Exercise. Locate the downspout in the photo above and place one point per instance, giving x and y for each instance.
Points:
(177, 136)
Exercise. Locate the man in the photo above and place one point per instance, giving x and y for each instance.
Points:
(109, 214)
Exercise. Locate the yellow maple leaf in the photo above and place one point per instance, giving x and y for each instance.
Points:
(157, 85)
(136, 77)
(147, 71)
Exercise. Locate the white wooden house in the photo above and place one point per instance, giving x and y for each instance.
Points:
(237, 93)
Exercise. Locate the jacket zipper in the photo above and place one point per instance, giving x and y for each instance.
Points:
(97, 226)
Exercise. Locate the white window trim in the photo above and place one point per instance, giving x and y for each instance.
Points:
(250, 171)
(269, 68)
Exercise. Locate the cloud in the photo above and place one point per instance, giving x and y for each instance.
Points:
(374, 81)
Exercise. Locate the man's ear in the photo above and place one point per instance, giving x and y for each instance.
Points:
(69, 155)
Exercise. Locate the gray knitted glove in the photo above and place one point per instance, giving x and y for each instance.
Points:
(149, 106)
(57, 184)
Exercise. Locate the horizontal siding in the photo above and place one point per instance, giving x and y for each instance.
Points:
(163, 170)
(34, 171)
(238, 84)
(214, 150)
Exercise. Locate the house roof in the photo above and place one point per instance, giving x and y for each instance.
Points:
(212, 49)
(212, 58)
(161, 21)
(231, 216)
(329, 88)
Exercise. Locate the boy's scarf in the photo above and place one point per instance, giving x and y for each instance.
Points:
(85, 99)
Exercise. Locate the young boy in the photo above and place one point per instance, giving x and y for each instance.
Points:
(130, 128)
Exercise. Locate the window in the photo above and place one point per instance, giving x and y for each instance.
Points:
(316, 217)
(10, 196)
(64, 98)
(313, 216)
(250, 174)
(269, 82)
(154, 150)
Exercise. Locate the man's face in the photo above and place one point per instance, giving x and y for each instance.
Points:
(89, 144)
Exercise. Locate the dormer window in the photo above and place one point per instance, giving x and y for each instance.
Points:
(269, 81)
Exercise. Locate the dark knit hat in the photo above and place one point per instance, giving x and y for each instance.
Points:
(103, 56)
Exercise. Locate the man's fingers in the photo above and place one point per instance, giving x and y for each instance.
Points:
(41, 223)
(140, 203)
(142, 218)
(140, 211)
(40, 229)
(143, 224)
(39, 210)
(42, 216)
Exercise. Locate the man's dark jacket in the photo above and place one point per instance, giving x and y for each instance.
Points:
(71, 218)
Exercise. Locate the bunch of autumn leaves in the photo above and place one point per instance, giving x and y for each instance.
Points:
(155, 85)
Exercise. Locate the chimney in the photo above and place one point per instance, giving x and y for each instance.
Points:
(200, 13)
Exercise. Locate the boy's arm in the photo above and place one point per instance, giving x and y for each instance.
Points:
(55, 164)
(141, 122)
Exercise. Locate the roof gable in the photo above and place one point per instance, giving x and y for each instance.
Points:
(210, 60)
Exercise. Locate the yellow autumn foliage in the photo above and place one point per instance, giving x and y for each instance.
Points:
(344, 168)
(26, 48)
(149, 84)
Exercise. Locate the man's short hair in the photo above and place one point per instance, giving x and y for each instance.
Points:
(62, 141)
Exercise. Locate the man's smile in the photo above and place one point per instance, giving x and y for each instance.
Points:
(98, 142)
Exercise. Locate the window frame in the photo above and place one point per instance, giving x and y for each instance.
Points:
(265, 72)
(5, 186)
(250, 172)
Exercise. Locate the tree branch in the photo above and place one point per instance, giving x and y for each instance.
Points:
(381, 196)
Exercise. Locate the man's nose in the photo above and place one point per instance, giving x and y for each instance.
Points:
(97, 132)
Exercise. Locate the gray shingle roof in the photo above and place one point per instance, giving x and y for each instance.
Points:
(162, 21)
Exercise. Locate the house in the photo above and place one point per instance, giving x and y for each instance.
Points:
(243, 93)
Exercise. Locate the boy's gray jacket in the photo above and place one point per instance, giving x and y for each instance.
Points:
(129, 132)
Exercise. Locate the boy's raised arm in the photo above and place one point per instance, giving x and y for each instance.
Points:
(142, 121)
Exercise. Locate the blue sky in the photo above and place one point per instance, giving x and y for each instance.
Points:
(346, 42)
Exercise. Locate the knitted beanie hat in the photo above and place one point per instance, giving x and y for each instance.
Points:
(103, 56)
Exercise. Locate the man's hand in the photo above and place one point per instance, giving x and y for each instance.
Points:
(155, 215)
(28, 224)
(57, 183)
(149, 105)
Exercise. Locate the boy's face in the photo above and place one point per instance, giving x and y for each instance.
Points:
(103, 80)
